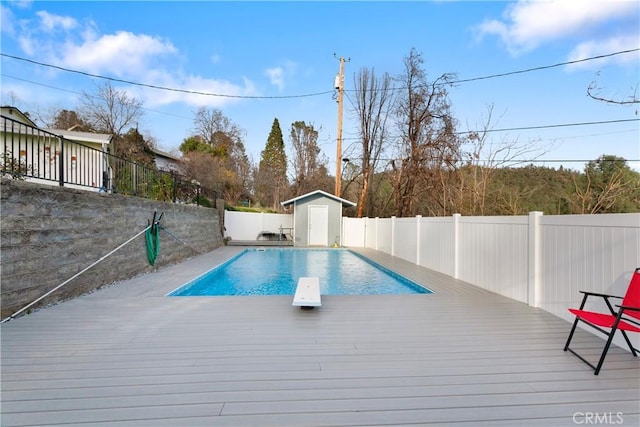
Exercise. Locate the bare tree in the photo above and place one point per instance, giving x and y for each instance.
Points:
(486, 156)
(110, 110)
(216, 129)
(428, 142)
(594, 92)
(592, 199)
(372, 101)
(218, 154)
(307, 160)
(608, 186)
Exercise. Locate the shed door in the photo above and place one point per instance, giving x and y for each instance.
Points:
(318, 225)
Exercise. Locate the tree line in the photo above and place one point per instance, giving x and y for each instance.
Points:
(409, 159)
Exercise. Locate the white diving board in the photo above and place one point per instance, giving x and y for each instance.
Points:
(307, 293)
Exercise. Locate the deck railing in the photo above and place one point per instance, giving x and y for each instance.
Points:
(34, 154)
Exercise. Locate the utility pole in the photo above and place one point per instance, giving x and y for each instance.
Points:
(339, 85)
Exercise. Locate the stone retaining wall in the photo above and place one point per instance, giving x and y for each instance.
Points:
(48, 234)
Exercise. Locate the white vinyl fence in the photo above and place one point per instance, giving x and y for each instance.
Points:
(542, 261)
(539, 260)
(248, 225)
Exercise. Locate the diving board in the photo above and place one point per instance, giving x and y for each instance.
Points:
(307, 293)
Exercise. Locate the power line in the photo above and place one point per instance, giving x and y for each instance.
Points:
(492, 76)
(603, 122)
(550, 126)
(191, 92)
(509, 73)
(92, 96)
(517, 161)
(546, 67)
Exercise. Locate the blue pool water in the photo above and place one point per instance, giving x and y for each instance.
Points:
(276, 272)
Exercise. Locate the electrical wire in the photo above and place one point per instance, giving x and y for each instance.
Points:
(559, 125)
(546, 67)
(509, 73)
(452, 82)
(92, 96)
(191, 92)
(498, 75)
(603, 122)
(515, 161)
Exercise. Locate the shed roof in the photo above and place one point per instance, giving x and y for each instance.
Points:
(345, 203)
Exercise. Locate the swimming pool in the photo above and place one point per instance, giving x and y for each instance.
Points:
(276, 272)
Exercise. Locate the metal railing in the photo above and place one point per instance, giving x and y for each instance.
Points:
(37, 155)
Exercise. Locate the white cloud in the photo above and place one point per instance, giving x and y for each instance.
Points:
(140, 58)
(529, 24)
(6, 20)
(50, 22)
(590, 49)
(120, 54)
(276, 75)
(192, 83)
(22, 4)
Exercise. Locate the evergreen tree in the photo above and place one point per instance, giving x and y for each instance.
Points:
(271, 182)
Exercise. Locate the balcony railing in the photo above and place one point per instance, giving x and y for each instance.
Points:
(37, 155)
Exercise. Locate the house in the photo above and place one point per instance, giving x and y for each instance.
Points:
(16, 115)
(166, 161)
(53, 156)
(317, 218)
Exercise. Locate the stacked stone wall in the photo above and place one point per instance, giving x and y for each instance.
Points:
(48, 234)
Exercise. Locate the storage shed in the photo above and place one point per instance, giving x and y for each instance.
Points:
(317, 218)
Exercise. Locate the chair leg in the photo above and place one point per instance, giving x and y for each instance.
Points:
(573, 329)
(626, 338)
(604, 352)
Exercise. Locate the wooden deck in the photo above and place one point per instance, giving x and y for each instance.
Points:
(129, 356)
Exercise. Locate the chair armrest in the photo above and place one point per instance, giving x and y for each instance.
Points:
(597, 294)
(628, 308)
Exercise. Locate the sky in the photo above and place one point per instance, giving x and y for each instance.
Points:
(523, 68)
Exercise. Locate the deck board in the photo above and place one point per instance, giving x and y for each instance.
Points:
(127, 355)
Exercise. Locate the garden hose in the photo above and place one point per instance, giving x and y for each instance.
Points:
(153, 239)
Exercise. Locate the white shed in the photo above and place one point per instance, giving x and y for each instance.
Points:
(317, 218)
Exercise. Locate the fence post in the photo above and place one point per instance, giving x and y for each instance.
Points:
(393, 236)
(61, 165)
(135, 179)
(418, 217)
(366, 226)
(533, 255)
(174, 187)
(456, 245)
(377, 230)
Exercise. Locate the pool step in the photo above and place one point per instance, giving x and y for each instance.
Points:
(307, 293)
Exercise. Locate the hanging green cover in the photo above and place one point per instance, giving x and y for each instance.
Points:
(153, 243)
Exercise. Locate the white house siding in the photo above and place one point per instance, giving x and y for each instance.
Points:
(45, 154)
